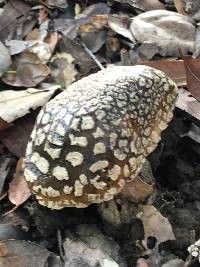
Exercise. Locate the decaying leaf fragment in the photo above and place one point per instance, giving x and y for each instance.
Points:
(18, 191)
(155, 225)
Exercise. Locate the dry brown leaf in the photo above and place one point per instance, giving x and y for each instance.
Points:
(27, 71)
(188, 103)
(51, 39)
(192, 68)
(16, 104)
(137, 190)
(173, 68)
(180, 6)
(155, 225)
(19, 191)
(3, 249)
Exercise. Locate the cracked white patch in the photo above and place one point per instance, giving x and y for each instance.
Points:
(60, 173)
(96, 183)
(98, 133)
(40, 139)
(67, 189)
(99, 165)
(94, 198)
(49, 191)
(87, 123)
(119, 154)
(29, 148)
(115, 172)
(41, 163)
(78, 189)
(30, 177)
(100, 114)
(133, 148)
(133, 163)
(33, 134)
(75, 158)
(78, 141)
(113, 140)
(45, 118)
(74, 124)
(67, 118)
(60, 130)
(83, 179)
(126, 171)
(54, 153)
(99, 148)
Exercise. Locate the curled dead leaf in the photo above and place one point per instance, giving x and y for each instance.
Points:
(19, 191)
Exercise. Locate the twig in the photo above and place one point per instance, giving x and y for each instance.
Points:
(3, 196)
(10, 211)
(59, 238)
(87, 50)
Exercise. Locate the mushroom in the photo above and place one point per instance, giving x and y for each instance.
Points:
(93, 137)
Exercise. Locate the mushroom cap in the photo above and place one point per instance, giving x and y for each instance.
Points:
(95, 135)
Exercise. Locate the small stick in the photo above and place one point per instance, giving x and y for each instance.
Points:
(87, 50)
(59, 237)
(3, 196)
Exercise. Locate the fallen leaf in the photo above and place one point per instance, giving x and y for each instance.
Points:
(174, 31)
(3, 250)
(5, 59)
(62, 69)
(179, 4)
(137, 190)
(16, 137)
(175, 69)
(27, 71)
(144, 5)
(188, 103)
(12, 11)
(155, 225)
(43, 15)
(24, 254)
(121, 24)
(3, 125)
(16, 104)
(19, 191)
(192, 69)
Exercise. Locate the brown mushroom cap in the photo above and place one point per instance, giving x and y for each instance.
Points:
(96, 134)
